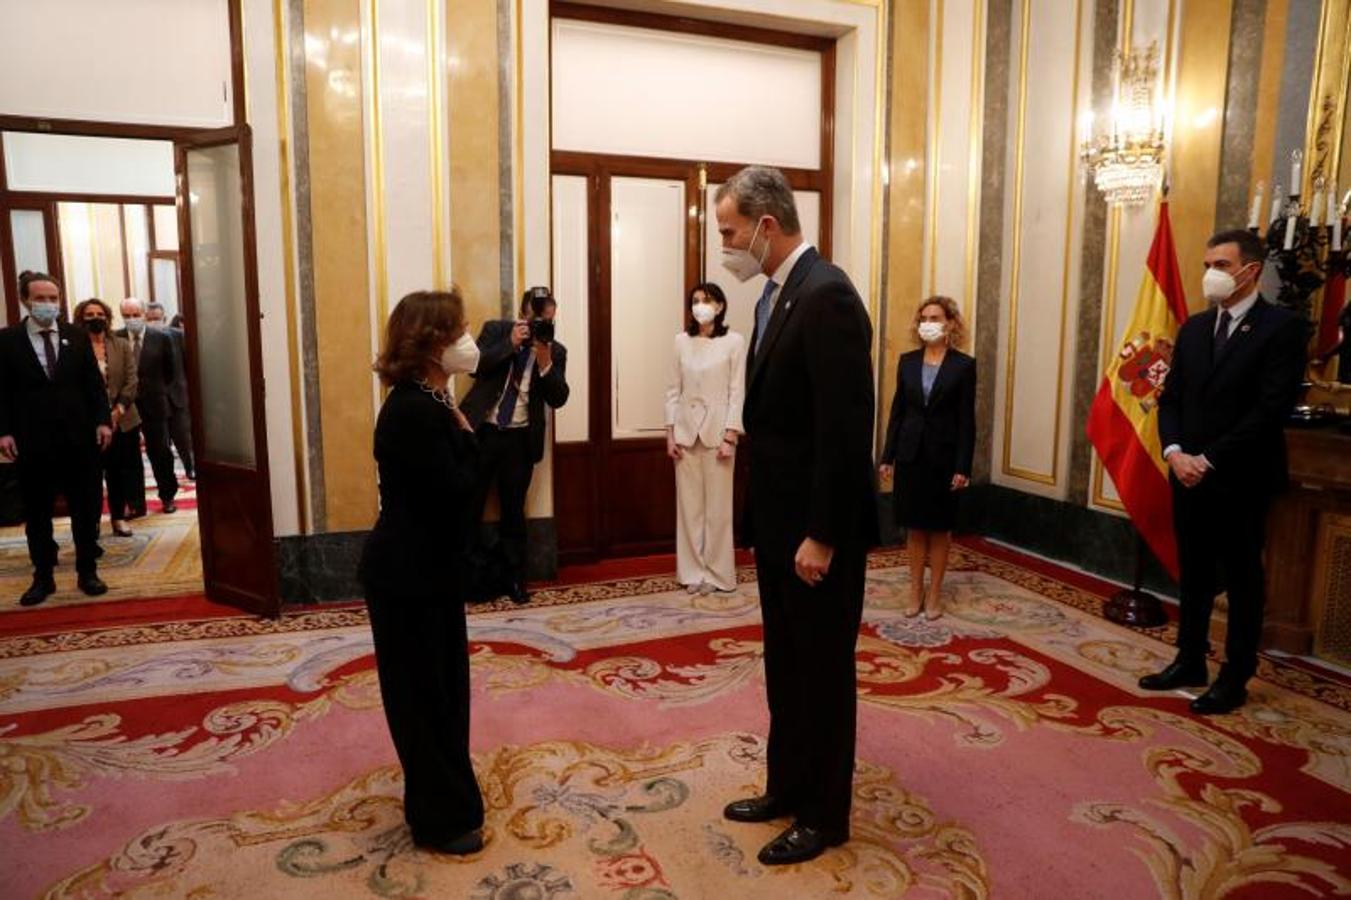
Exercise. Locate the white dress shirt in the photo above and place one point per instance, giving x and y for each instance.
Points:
(520, 416)
(783, 271)
(35, 338)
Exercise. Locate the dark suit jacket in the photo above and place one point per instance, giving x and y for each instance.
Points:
(45, 414)
(494, 365)
(178, 388)
(155, 372)
(944, 428)
(1233, 409)
(427, 466)
(809, 415)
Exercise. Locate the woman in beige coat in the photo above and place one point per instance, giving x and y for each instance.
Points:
(703, 425)
(122, 459)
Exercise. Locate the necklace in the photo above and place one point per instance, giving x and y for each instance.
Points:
(440, 396)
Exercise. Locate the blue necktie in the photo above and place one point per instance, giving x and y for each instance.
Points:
(762, 310)
(507, 409)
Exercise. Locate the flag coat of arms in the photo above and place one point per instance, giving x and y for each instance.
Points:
(1123, 422)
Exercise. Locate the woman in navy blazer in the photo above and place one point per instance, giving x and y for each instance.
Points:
(931, 438)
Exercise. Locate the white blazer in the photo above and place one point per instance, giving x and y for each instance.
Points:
(707, 386)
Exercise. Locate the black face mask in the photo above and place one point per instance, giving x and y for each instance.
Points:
(96, 326)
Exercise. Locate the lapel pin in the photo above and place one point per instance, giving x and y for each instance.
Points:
(1245, 328)
(65, 342)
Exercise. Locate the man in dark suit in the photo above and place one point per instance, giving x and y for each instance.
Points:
(812, 507)
(1236, 371)
(521, 370)
(155, 374)
(54, 422)
(180, 423)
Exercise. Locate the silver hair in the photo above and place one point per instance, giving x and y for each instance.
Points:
(762, 191)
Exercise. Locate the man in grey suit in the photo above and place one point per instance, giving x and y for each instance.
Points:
(155, 372)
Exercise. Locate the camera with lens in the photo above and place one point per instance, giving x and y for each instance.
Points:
(541, 329)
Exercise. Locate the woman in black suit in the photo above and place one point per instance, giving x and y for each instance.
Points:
(411, 567)
(931, 438)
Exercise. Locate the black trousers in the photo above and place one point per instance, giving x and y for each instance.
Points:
(504, 461)
(1221, 530)
(180, 432)
(156, 432)
(422, 658)
(122, 472)
(810, 638)
(75, 473)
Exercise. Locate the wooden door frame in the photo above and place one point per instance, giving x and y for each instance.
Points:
(598, 169)
(101, 128)
(241, 136)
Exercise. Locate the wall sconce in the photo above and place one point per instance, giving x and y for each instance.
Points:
(1126, 158)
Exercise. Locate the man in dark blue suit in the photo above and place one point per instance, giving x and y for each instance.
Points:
(54, 422)
(522, 373)
(1236, 372)
(811, 509)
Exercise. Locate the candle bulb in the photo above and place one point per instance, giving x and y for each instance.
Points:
(1255, 213)
(1275, 204)
(1296, 168)
(1316, 207)
(1290, 221)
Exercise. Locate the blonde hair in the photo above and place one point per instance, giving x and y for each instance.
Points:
(956, 324)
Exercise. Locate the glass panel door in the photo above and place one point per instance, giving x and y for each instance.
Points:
(218, 288)
(220, 320)
(647, 293)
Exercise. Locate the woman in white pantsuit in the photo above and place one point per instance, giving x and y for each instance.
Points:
(703, 425)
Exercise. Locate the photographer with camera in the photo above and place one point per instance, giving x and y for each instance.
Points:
(521, 369)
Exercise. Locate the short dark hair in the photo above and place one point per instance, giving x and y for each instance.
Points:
(526, 305)
(1250, 246)
(762, 191)
(713, 292)
(422, 324)
(155, 306)
(77, 315)
(28, 277)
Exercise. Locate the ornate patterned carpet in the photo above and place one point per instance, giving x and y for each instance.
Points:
(162, 558)
(1003, 752)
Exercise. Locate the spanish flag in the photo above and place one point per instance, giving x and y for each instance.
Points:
(1123, 423)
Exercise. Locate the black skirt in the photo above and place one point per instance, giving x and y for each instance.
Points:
(923, 495)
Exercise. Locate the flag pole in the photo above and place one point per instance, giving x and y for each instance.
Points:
(1135, 606)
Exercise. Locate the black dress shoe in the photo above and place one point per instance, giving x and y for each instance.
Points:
(92, 585)
(135, 513)
(41, 588)
(1177, 674)
(518, 593)
(460, 845)
(755, 809)
(796, 844)
(168, 508)
(1223, 697)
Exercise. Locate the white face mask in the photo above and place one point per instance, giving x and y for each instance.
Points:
(929, 332)
(460, 357)
(743, 263)
(704, 312)
(1218, 285)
